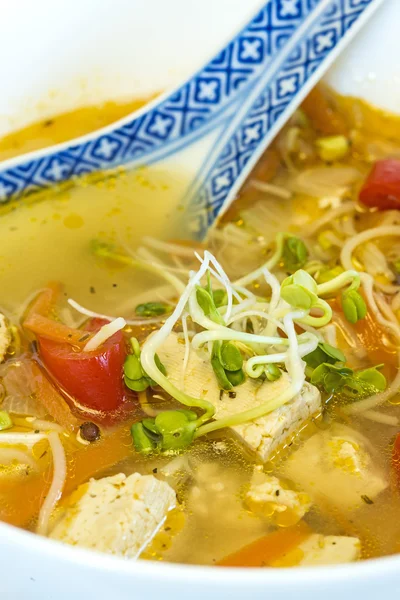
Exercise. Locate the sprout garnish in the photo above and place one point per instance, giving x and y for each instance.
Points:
(246, 335)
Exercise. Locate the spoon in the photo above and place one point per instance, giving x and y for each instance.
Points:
(216, 125)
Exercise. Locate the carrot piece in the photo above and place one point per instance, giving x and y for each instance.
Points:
(266, 550)
(37, 320)
(20, 501)
(322, 114)
(53, 402)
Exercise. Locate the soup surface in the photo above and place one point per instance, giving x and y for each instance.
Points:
(231, 403)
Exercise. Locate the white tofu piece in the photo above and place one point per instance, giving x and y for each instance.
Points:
(270, 497)
(319, 549)
(262, 436)
(5, 337)
(336, 466)
(119, 515)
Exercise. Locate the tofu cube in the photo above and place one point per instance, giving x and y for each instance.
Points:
(336, 466)
(119, 515)
(262, 436)
(329, 550)
(271, 498)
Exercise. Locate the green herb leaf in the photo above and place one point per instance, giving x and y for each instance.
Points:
(137, 385)
(324, 353)
(152, 309)
(354, 307)
(219, 370)
(294, 254)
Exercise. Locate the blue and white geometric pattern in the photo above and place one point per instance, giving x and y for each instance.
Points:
(175, 120)
(266, 105)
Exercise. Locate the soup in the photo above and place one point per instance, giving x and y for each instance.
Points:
(233, 403)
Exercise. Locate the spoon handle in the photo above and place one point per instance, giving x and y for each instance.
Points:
(174, 120)
(271, 102)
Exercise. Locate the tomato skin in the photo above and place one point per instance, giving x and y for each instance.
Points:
(94, 380)
(381, 189)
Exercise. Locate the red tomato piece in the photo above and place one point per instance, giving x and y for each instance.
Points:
(381, 189)
(396, 459)
(94, 380)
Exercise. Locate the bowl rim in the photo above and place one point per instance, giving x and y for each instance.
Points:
(166, 573)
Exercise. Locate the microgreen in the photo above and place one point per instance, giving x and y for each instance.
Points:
(171, 430)
(134, 376)
(354, 307)
(294, 254)
(324, 353)
(152, 309)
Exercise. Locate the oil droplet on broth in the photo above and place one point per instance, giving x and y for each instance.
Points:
(73, 221)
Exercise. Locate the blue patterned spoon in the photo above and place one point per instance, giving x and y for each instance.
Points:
(218, 123)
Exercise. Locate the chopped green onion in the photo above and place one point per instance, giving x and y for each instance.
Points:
(5, 420)
(294, 254)
(354, 307)
(152, 309)
(332, 148)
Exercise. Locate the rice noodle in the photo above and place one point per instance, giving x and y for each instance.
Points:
(42, 425)
(104, 334)
(327, 218)
(11, 455)
(170, 248)
(270, 188)
(351, 244)
(391, 325)
(57, 484)
(378, 417)
(16, 438)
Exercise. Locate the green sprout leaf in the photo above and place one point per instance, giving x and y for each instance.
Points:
(294, 254)
(134, 376)
(220, 298)
(152, 309)
(236, 377)
(230, 357)
(300, 290)
(5, 420)
(354, 307)
(218, 369)
(206, 303)
(272, 372)
(141, 441)
(337, 378)
(326, 275)
(324, 353)
(171, 430)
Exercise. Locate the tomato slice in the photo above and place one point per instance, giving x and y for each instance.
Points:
(381, 189)
(93, 380)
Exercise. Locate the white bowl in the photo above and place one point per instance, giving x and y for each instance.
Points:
(56, 56)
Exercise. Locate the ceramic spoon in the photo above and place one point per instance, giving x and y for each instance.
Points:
(216, 125)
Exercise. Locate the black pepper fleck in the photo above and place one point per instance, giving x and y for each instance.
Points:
(92, 290)
(155, 470)
(277, 493)
(48, 123)
(232, 394)
(221, 393)
(90, 431)
(115, 284)
(84, 337)
(367, 499)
